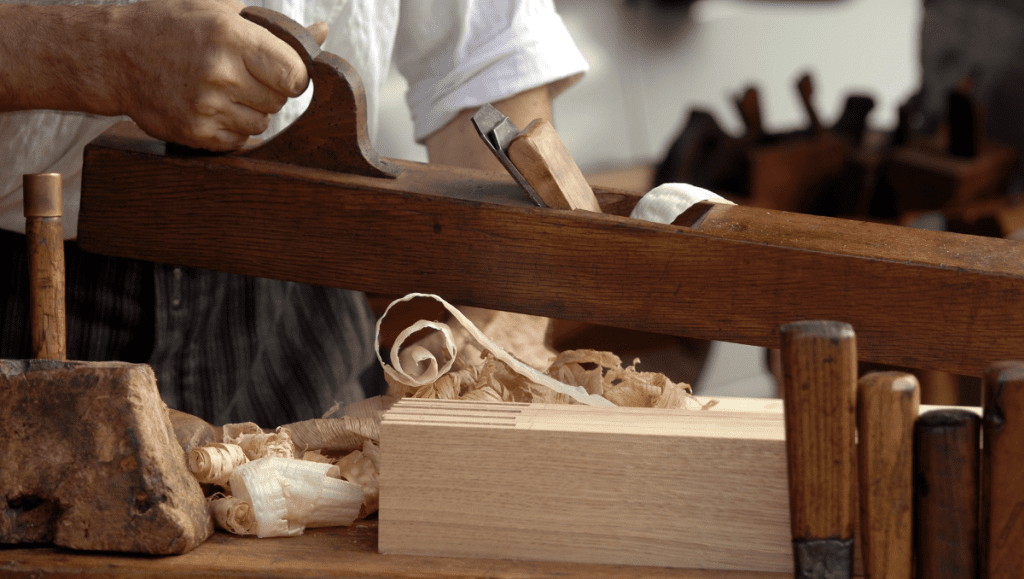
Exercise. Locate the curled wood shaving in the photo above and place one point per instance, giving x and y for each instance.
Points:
(427, 366)
(263, 444)
(287, 495)
(232, 514)
(214, 463)
(233, 433)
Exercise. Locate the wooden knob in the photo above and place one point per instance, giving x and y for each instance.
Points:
(946, 494)
(819, 367)
(1001, 525)
(44, 233)
(887, 406)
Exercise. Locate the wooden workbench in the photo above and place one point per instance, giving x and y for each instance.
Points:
(344, 552)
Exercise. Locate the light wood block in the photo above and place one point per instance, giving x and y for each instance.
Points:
(675, 488)
(573, 484)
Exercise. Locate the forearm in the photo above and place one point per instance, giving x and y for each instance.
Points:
(458, 144)
(57, 57)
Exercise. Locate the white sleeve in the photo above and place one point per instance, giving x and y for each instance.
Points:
(458, 54)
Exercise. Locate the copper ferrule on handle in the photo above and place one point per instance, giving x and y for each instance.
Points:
(44, 195)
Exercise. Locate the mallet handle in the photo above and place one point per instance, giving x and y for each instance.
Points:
(44, 232)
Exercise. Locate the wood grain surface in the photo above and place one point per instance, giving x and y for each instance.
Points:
(819, 368)
(547, 166)
(887, 406)
(946, 494)
(44, 236)
(1002, 492)
(335, 553)
(672, 488)
(473, 238)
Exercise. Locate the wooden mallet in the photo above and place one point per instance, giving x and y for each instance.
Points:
(88, 450)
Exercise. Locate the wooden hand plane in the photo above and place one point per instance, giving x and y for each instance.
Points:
(915, 298)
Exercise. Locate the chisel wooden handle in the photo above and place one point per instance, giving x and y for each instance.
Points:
(547, 166)
(749, 106)
(1001, 528)
(806, 89)
(44, 232)
(946, 494)
(887, 406)
(819, 367)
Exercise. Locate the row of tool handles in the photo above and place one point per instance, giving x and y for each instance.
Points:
(933, 504)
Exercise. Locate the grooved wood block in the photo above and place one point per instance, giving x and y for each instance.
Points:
(88, 460)
(634, 486)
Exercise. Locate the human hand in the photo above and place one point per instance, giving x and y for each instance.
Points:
(198, 74)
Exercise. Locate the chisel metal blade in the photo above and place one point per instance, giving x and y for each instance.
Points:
(497, 131)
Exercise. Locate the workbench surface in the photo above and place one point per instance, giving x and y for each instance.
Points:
(335, 552)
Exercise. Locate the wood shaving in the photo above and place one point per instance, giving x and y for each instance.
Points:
(263, 444)
(287, 495)
(232, 514)
(363, 468)
(233, 433)
(359, 423)
(425, 365)
(461, 364)
(214, 463)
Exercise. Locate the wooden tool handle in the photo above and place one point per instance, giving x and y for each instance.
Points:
(1001, 525)
(749, 106)
(946, 494)
(806, 89)
(539, 154)
(332, 133)
(819, 366)
(44, 232)
(887, 406)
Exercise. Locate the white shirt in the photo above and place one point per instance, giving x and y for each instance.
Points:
(455, 54)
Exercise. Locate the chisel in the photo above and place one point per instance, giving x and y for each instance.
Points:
(537, 159)
(887, 405)
(819, 366)
(1001, 525)
(946, 494)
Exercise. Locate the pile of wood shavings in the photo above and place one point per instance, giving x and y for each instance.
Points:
(459, 364)
(599, 373)
(345, 489)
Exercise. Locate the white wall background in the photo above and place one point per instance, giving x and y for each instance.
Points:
(650, 67)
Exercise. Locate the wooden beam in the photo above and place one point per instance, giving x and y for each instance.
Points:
(915, 298)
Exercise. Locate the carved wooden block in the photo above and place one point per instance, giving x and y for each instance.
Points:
(88, 460)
